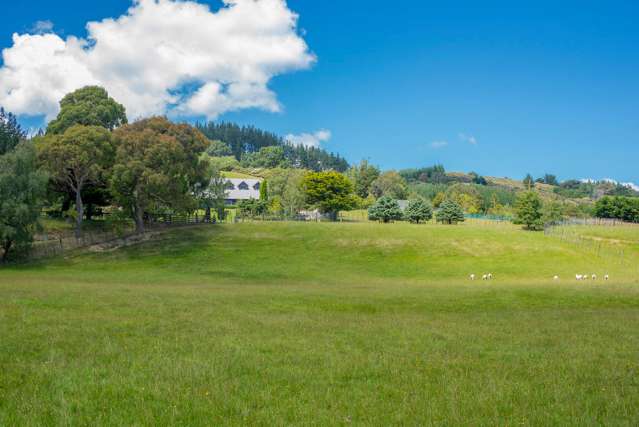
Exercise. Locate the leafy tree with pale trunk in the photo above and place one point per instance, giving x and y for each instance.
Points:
(157, 166)
(80, 156)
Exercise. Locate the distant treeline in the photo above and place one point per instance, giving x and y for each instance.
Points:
(246, 140)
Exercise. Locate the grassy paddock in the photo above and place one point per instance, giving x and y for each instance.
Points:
(317, 323)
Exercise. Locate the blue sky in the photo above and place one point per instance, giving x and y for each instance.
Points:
(538, 88)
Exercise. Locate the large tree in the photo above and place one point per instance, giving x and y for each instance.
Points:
(157, 166)
(390, 184)
(10, 132)
(330, 192)
(80, 156)
(22, 189)
(89, 106)
(363, 176)
(528, 211)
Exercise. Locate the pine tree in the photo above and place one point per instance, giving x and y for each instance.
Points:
(385, 209)
(450, 213)
(418, 210)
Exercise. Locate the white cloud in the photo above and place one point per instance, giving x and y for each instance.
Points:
(309, 139)
(41, 27)
(161, 57)
(468, 138)
(438, 144)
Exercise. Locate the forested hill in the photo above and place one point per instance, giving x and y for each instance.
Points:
(245, 140)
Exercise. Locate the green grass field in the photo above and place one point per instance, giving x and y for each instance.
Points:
(324, 324)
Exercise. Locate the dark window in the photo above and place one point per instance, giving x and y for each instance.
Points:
(256, 187)
(243, 186)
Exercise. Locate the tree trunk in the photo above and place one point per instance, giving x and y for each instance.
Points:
(6, 247)
(79, 208)
(139, 218)
(207, 214)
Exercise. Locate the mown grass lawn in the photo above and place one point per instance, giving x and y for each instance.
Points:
(322, 324)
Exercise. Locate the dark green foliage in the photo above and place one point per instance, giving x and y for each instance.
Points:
(553, 213)
(89, 106)
(449, 213)
(22, 190)
(363, 176)
(252, 208)
(385, 209)
(528, 211)
(622, 208)
(10, 132)
(244, 140)
(218, 149)
(330, 192)
(418, 210)
(264, 191)
(157, 166)
(478, 179)
(268, 157)
(549, 179)
(434, 174)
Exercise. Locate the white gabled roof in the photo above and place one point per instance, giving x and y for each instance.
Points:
(235, 193)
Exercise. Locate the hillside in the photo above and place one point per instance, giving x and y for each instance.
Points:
(306, 323)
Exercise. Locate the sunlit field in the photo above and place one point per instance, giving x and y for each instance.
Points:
(319, 323)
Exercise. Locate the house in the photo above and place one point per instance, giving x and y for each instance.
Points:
(242, 189)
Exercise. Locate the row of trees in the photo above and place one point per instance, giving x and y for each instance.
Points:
(619, 207)
(387, 209)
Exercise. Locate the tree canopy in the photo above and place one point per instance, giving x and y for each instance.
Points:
(330, 192)
(363, 175)
(89, 106)
(156, 166)
(390, 184)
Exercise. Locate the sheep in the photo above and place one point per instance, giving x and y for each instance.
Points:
(484, 277)
(606, 277)
(472, 277)
(593, 277)
(490, 276)
(555, 278)
(585, 277)
(578, 276)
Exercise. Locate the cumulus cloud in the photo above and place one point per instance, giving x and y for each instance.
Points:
(468, 138)
(309, 139)
(161, 57)
(438, 144)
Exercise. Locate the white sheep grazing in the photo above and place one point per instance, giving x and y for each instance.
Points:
(490, 276)
(472, 277)
(578, 276)
(484, 277)
(606, 277)
(555, 278)
(585, 277)
(593, 277)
